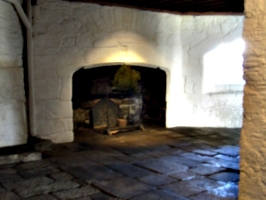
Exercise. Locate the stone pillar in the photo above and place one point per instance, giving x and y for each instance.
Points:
(253, 136)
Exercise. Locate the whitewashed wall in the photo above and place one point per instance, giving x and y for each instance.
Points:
(68, 36)
(12, 98)
(200, 35)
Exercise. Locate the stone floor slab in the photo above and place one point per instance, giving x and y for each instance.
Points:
(91, 173)
(158, 195)
(61, 176)
(225, 177)
(181, 176)
(76, 192)
(162, 166)
(123, 187)
(181, 160)
(153, 158)
(205, 170)
(43, 189)
(38, 172)
(41, 197)
(209, 196)
(183, 189)
(8, 196)
(130, 170)
(228, 150)
(228, 158)
(29, 183)
(157, 180)
(9, 177)
(205, 152)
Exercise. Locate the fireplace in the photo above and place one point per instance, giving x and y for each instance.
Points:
(98, 103)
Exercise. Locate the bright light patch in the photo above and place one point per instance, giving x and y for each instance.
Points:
(223, 66)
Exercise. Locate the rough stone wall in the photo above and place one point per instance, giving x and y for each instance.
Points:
(68, 36)
(12, 97)
(199, 35)
(253, 136)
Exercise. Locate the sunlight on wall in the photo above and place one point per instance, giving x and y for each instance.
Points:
(223, 68)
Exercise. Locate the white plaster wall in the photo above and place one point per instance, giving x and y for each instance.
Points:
(12, 98)
(200, 35)
(253, 136)
(68, 36)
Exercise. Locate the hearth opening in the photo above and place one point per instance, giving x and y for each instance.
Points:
(120, 95)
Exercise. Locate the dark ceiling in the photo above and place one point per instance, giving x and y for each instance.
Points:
(177, 6)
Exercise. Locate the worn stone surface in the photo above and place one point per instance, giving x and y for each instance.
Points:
(189, 162)
(130, 170)
(91, 173)
(253, 135)
(9, 196)
(225, 177)
(209, 196)
(161, 166)
(41, 197)
(9, 175)
(228, 150)
(23, 157)
(160, 194)
(124, 187)
(157, 180)
(60, 185)
(75, 170)
(75, 193)
(205, 152)
(205, 170)
(183, 189)
(38, 172)
(183, 175)
(61, 176)
(27, 183)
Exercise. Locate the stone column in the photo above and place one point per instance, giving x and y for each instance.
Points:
(253, 136)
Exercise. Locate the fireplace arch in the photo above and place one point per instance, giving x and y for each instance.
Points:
(97, 103)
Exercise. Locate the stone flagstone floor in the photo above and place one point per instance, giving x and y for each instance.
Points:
(158, 163)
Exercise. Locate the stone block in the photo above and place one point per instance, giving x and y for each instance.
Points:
(11, 84)
(59, 137)
(29, 183)
(61, 176)
(9, 196)
(57, 186)
(13, 134)
(157, 180)
(162, 167)
(124, 188)
(159, 194)
(23, 157)
(58, 110)
(130, 170)
(41, 197)
(31, 173)
(75, 193)
(65, 92)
